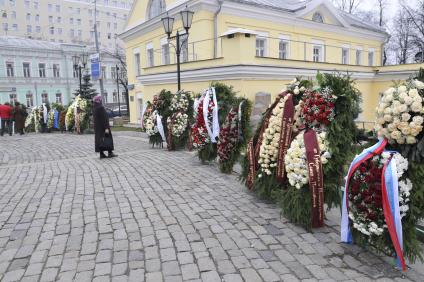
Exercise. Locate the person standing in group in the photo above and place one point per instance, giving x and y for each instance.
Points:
(103, 140)
(6, 118)
(19, 115)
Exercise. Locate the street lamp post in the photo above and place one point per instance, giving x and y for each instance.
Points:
(79, 65)
(168, 24)
(117, 86)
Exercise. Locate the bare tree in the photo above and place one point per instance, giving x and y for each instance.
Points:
(401, 36)
(416, 17)
(349, 6)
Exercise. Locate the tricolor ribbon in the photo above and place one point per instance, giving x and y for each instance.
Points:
(346, 234)
(390, 198)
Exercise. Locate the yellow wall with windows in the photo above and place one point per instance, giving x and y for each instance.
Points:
(241, 50)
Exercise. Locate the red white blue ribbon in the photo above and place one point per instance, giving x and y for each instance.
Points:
(390, 197)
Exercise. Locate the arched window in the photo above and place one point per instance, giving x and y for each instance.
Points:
(156, 7)
(317, 17)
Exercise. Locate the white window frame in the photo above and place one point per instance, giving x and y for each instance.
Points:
(358, 59)
(166, 58)
(137, 61)
(12, 73)
(371, 62)
(29, 97)
(46, 95)
(263, 36)
(44, 71)
(320, 46)
(56, 70)
(58, 97)
(345, 61)
(284, 39)
(150, 55)
(28, 75)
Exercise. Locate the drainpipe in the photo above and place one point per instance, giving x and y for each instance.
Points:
(215, 29)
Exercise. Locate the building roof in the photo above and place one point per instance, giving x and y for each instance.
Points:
(295, 6)
(28, 43)
(288, 5)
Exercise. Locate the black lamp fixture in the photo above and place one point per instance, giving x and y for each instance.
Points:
(168, 24)
(187, 18)
(181, 39)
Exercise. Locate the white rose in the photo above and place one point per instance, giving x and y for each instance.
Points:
(296, 90)
(419, 84)
(411, 140)
(402, 88)
(387, 118)
(391, 90)
(418, 120)
(408, 100)
(405, 117)
(416, 107)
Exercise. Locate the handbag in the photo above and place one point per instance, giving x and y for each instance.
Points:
(106, 143)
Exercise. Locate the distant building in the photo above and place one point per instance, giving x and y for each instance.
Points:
(65, 21)
(35, 71)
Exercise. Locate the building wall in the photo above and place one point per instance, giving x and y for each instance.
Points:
(69, 21)
(66, 84)
(238, 65)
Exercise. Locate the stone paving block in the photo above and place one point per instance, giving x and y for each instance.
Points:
(171, 268)
(268, 275)
(190, 271)
(14, 275)
(103, 269)
(136, 275)
(49, 274)
(210, 276)
(154, 277)
(205, 264)
(250, 275)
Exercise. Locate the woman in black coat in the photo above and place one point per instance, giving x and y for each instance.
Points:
(102, 129)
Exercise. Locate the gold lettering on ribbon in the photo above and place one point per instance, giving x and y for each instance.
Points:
(316, 182)
(285, 136)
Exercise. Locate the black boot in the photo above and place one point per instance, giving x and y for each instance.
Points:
(102, 155)
(111, 155)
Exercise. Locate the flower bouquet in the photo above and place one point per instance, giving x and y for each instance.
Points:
(263, 150)
(399, 126)
(210, 112)
(234, 135)
(50, 120)
(178, 123)
(32, 122)
(379, 206)
(152, 129)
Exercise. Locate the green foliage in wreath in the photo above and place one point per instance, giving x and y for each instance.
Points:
(341, 134)
(246, 129)
(181, 141)
(163, 109)
(225, 96)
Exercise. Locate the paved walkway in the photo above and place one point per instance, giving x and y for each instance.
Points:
(151, 215)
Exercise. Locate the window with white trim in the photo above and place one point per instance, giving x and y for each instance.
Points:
(44, 97)
(317, 54)
(358, 55)
(42, 69)
(56, 70)
(10, 69)
(345, 55)
(59, 97)
(166, 59)
(150, 55)
(26, 69)
(13, 98)
(260, 47)
(156, 8)
(29, 99)
(137, 63)
(370, 57)
(283, 47)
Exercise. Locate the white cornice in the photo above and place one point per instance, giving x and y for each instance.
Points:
(236, 72)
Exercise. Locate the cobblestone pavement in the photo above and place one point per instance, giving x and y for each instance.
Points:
(151, 215)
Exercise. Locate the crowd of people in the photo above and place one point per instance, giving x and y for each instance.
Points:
(12, 115)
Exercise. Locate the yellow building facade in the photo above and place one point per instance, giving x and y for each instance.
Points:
(257, 46)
